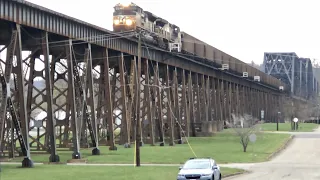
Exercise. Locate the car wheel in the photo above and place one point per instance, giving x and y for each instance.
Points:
(212, 177)
(220, 177)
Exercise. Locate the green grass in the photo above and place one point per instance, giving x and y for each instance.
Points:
(303, 127)
(64, 172)
(223, 147)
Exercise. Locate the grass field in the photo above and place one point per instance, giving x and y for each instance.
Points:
(223, 147)
(64, 172)
(303, 127)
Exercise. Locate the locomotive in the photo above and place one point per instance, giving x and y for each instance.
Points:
(153, 29)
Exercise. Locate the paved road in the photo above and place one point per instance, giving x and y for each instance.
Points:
(299, 161)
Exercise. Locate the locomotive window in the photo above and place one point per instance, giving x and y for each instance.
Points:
(124, 12)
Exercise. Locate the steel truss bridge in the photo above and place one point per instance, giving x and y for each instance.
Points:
(301, 79)
(89, 75)
(296, 72)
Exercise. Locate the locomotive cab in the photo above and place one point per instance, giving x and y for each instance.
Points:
(126, 17)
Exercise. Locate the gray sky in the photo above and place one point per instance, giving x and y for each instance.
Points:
(244, 29)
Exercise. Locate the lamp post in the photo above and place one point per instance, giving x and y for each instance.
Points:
(279, 113)
(318, 112)
(295, 120)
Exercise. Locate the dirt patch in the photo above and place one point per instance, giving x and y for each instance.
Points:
(77, 161)
(54, 163)
(279, 150)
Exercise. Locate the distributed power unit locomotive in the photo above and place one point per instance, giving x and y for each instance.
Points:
(154, 29)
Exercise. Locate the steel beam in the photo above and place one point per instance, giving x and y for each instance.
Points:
(50, 117)
(75, 130)
(170, 117)
(109, 101)
(22, 104)
(95, 150)
(125, 117)
(148, 101)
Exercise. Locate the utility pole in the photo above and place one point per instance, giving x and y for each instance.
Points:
(137, 117)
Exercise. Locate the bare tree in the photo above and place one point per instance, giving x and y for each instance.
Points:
(257, 66)
(244, 126)
(315, 63)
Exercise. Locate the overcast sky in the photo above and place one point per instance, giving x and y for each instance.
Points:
(244, 29)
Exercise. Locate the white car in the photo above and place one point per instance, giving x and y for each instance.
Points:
(199, 169)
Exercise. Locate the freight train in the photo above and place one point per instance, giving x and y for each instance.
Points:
(161, 33)
(155, 29)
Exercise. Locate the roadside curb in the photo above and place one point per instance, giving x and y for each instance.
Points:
(235, 174)
(283, 147)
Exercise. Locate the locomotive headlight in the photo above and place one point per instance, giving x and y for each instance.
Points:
(126, 4)
(129, 22)
(116, 22)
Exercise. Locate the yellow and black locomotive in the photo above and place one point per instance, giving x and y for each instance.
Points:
(156, 30)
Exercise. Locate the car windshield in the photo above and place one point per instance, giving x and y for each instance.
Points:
(197, 164)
